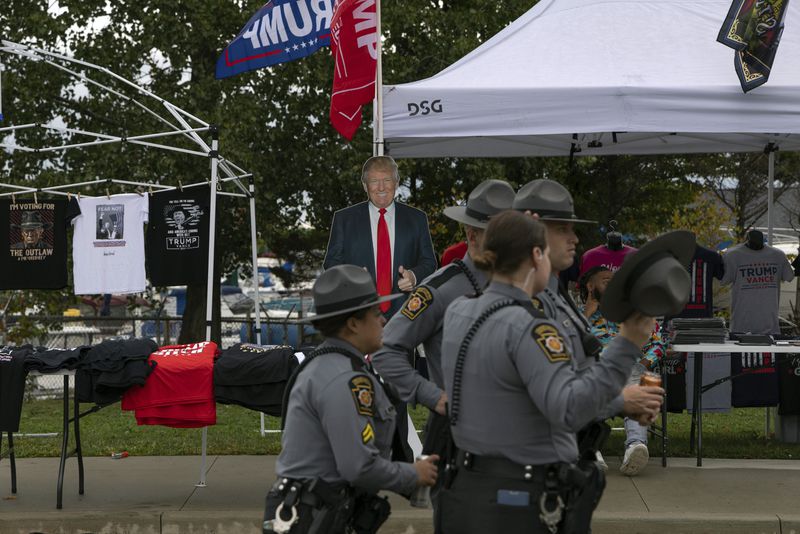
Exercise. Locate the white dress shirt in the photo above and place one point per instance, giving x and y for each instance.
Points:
(374, 217)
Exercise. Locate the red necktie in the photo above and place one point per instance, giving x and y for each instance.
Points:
(383, 269)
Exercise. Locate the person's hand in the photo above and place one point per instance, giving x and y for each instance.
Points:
(645, 420)
(407, 280)
(591, 306)
(534, 216)
(440, 407)
(642, 401)
(427, 472)
(637, 328)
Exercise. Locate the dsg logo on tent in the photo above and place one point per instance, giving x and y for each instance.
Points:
(424, 107)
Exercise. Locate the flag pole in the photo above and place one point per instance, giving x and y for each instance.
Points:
(378, 104)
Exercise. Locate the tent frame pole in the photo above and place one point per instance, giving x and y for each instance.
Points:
(212, 219)
(378, 106)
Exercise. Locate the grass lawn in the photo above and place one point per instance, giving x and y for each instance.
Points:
(738, 434)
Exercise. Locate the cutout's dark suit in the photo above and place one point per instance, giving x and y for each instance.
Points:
(351, 242)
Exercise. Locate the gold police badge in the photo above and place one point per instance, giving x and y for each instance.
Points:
(417, 302)
(551, 343)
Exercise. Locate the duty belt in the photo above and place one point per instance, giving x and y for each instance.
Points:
(503, 467)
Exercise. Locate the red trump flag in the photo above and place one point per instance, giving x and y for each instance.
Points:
(354, 48)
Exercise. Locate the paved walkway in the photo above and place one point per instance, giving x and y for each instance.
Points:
(157, 495)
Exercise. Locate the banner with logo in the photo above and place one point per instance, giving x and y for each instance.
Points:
(753, 29)
(281, 31)
(354, 48)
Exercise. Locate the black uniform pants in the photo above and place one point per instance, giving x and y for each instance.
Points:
(470, 506)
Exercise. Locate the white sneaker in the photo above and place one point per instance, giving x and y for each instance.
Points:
(601, 463)
(635, 459)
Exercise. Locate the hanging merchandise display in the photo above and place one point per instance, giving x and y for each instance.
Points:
(605, 256)
(756, 274)
(705, 266)
(108, 244)
(177, 236)
(33, 242)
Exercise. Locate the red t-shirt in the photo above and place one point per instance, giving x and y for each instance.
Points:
(183, 375)
(454, 252)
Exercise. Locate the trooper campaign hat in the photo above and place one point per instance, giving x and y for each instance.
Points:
(344, 289)
(549, 199)
(654, 280)
(31, 220)
(488, 199)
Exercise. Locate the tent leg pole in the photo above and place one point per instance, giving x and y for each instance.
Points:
(254, 249)
(256, 296)
(770, 195)
(212, 222)
(770, 199)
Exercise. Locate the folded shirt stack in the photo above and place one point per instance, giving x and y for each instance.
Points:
(107, 370)
(179, 393)
(701, 330)
(254, 376)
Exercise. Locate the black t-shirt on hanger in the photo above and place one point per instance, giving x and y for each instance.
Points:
(705, 266)
(176, 243)
(33, 242)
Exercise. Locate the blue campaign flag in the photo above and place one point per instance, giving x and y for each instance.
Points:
(282, 30)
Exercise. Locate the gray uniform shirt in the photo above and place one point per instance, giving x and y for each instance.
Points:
(756, 277)
(339, 427)
(420, 321)
(556, 307)
(521, 397)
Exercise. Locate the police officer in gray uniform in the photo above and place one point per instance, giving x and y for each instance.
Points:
(420, 319)
(554, 206)
(340, 422)
(516, 399)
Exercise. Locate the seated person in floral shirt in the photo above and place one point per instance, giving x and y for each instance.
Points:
(592, 285)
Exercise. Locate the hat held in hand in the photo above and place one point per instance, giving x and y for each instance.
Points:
(653, 281)
(344, 289)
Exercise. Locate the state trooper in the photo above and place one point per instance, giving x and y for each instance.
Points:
(553, 204)
(420, 319)
(516, 399)
(339, 422)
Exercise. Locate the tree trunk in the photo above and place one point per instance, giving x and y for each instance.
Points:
(193, 328)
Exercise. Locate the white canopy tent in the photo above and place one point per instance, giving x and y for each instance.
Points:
(650, 71)
(601, 77)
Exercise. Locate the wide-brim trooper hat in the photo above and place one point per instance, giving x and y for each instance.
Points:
(654, 280)
(549, 199)
(344, 289)
(488, 199)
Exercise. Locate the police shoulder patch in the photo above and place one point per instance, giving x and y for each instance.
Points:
(417, 302)
(363, 395)
(368, 434)
(551, 343)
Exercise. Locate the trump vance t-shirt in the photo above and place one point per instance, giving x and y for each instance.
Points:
(108, 244)
(755, 296)
(33, 243)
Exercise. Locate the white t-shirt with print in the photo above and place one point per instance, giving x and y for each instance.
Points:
(108, 244)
